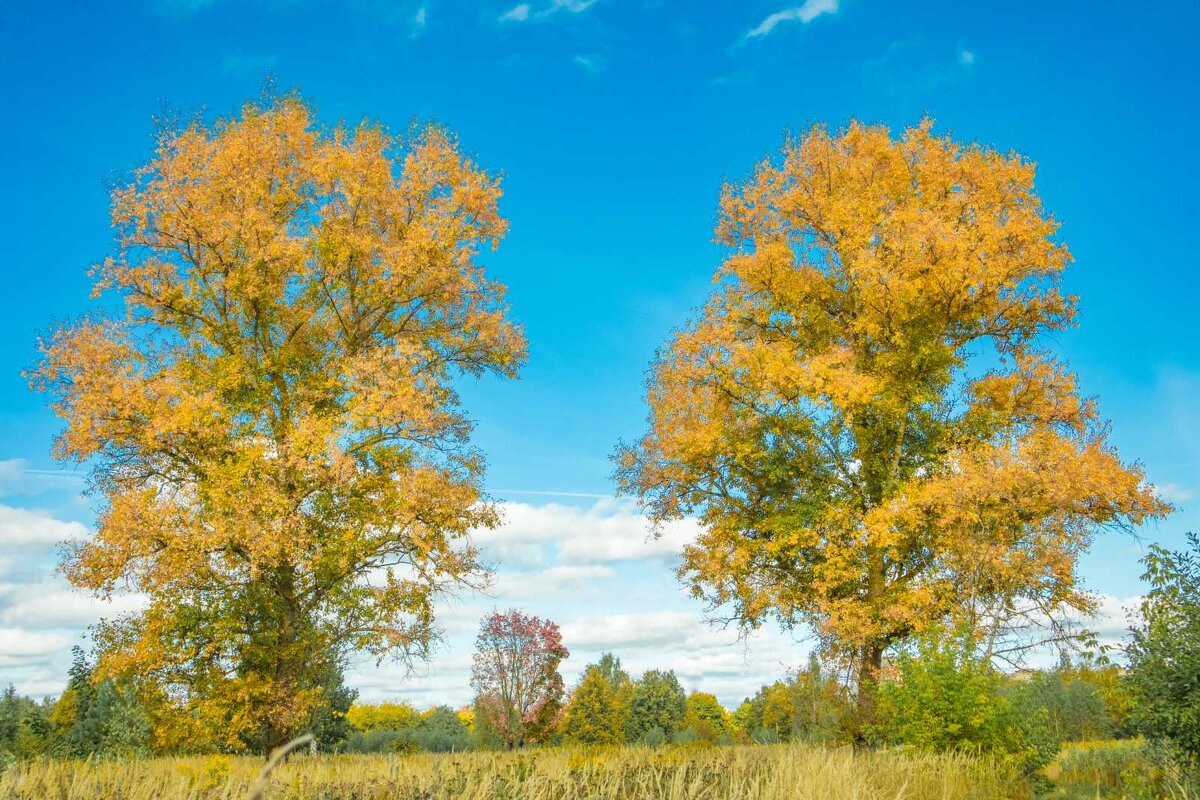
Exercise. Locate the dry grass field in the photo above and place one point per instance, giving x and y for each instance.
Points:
(769, 772)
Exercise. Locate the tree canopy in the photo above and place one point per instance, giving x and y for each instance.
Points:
(519, 689)
(283, 462)
(864, 417)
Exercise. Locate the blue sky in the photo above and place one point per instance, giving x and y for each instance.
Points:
(615, 123)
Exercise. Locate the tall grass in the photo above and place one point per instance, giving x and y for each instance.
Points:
(1125, 769)
(765, 772)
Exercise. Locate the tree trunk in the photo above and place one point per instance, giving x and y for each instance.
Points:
(869, 665)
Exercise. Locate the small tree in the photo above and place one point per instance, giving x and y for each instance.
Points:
(515, 675)
(25, 725)
(658, 702)
(1075, 708)
(594, 714)
(99, 716)
(809, 706)
(1164, 649)
(706, 717)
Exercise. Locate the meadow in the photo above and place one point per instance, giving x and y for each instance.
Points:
(761, 772)
(863, 424)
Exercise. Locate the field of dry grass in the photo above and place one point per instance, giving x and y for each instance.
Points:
(766, 772)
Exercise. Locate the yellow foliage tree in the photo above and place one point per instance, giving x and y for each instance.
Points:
(862, 416)
(594, 713)
(368, 717)
(706, 717)
(284, 464)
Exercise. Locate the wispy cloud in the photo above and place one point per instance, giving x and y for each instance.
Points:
(574, 6)
(1174, 493)
(806, 13)
(590, 64)
(524, 12)
(740, 78)
(518, 13)
(914, 67)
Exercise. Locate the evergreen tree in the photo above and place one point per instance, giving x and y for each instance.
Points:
(101, 718)
(330, 724)
(24, 725)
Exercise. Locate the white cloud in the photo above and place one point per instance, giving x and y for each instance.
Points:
(574, 6)
(607, 531)
(548, 583)
(639, 629)
(966, 57)
(21, 526)
(524, 11)
(1112, 617)
(518, 13)
(17, 644)
(1174, 493)
(589, 64)
(51, 606)
(806, 13)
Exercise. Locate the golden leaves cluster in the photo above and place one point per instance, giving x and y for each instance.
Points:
(863, 415)
(272, 419)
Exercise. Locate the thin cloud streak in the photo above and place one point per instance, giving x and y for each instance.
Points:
(804, 14)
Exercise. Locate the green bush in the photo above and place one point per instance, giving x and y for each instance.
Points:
(946, 698)
(1164, 651)
(1075, 708)
(653, 737)
(377, 741)
(441, 731)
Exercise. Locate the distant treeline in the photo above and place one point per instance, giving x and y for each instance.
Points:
(1075, 702)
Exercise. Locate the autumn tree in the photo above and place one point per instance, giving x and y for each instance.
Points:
(392, 716)
(595, 714)
(864, 417)
(706, 717)
(283, 462)
(515, 675)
